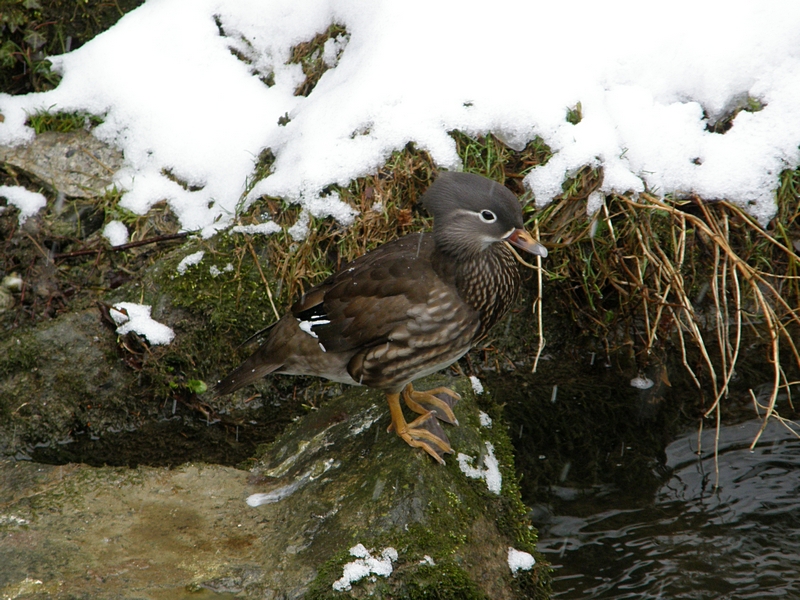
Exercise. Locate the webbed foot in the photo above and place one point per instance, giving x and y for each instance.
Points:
(424, 432)
(440, 401)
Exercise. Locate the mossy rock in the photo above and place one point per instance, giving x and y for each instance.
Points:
(338, 479)
(365, 486)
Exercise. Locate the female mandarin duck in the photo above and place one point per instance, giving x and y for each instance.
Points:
(408, 308)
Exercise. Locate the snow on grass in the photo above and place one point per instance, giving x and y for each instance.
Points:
(28, 203)
(191, 117)
(261, 229)
(364, 565)
(12, 282)
(116, 233)
(490, 471)
(136, 317)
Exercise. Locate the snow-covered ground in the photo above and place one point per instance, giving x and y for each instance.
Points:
(650, 77)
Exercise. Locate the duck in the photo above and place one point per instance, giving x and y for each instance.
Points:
(407, 309)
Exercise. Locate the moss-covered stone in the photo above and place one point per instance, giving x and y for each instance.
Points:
(403, 500)
(336, 477)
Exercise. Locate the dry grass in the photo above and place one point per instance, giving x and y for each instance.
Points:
(641, 269)
(309, 56)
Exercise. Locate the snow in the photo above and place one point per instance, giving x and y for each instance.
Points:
(477, 386)
(116, 233)
(215, 271)
(189, 261)
(365, 565)
(519, 560)
(13, 520)
(486, 420)
(136, 317)
(12, 282)
(490, 471)
(192, 118)
(641, 382)
(262, 228)
(28, 203)
(276, 495)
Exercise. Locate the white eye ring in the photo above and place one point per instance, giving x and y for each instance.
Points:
(487, 216)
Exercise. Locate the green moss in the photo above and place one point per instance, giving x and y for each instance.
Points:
(454, 531)
(443, 581)
(231, 297)
(221, 308)
(20, 354)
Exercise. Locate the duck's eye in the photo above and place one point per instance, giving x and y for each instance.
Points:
(487, 216)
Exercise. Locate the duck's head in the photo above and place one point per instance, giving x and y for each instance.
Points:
(471, 212)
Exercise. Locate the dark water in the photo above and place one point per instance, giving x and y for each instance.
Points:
(691, 539)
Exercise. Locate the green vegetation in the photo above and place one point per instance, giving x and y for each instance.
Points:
(575, 114)
(488, 156)
(62, 122)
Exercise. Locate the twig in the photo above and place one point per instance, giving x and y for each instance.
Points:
(538, 305)
(263, 278)
(129, 245)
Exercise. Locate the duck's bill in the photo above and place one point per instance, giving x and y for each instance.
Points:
(523, 240)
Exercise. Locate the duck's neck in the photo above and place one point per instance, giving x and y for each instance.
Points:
(489, 282)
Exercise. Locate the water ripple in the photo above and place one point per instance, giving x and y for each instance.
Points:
(737, 536)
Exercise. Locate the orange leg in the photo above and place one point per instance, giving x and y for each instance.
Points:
(423, 432)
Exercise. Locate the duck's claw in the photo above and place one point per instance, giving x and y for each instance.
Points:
(440, 401)
(424, 432)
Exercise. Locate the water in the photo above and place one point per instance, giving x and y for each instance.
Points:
(691, 539)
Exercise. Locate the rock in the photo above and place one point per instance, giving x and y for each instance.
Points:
(333, 480)
(75, 164)
(58, 375)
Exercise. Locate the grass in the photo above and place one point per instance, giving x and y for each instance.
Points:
(656, 272)
(62, 122)
(309, 55)
(386, 205)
